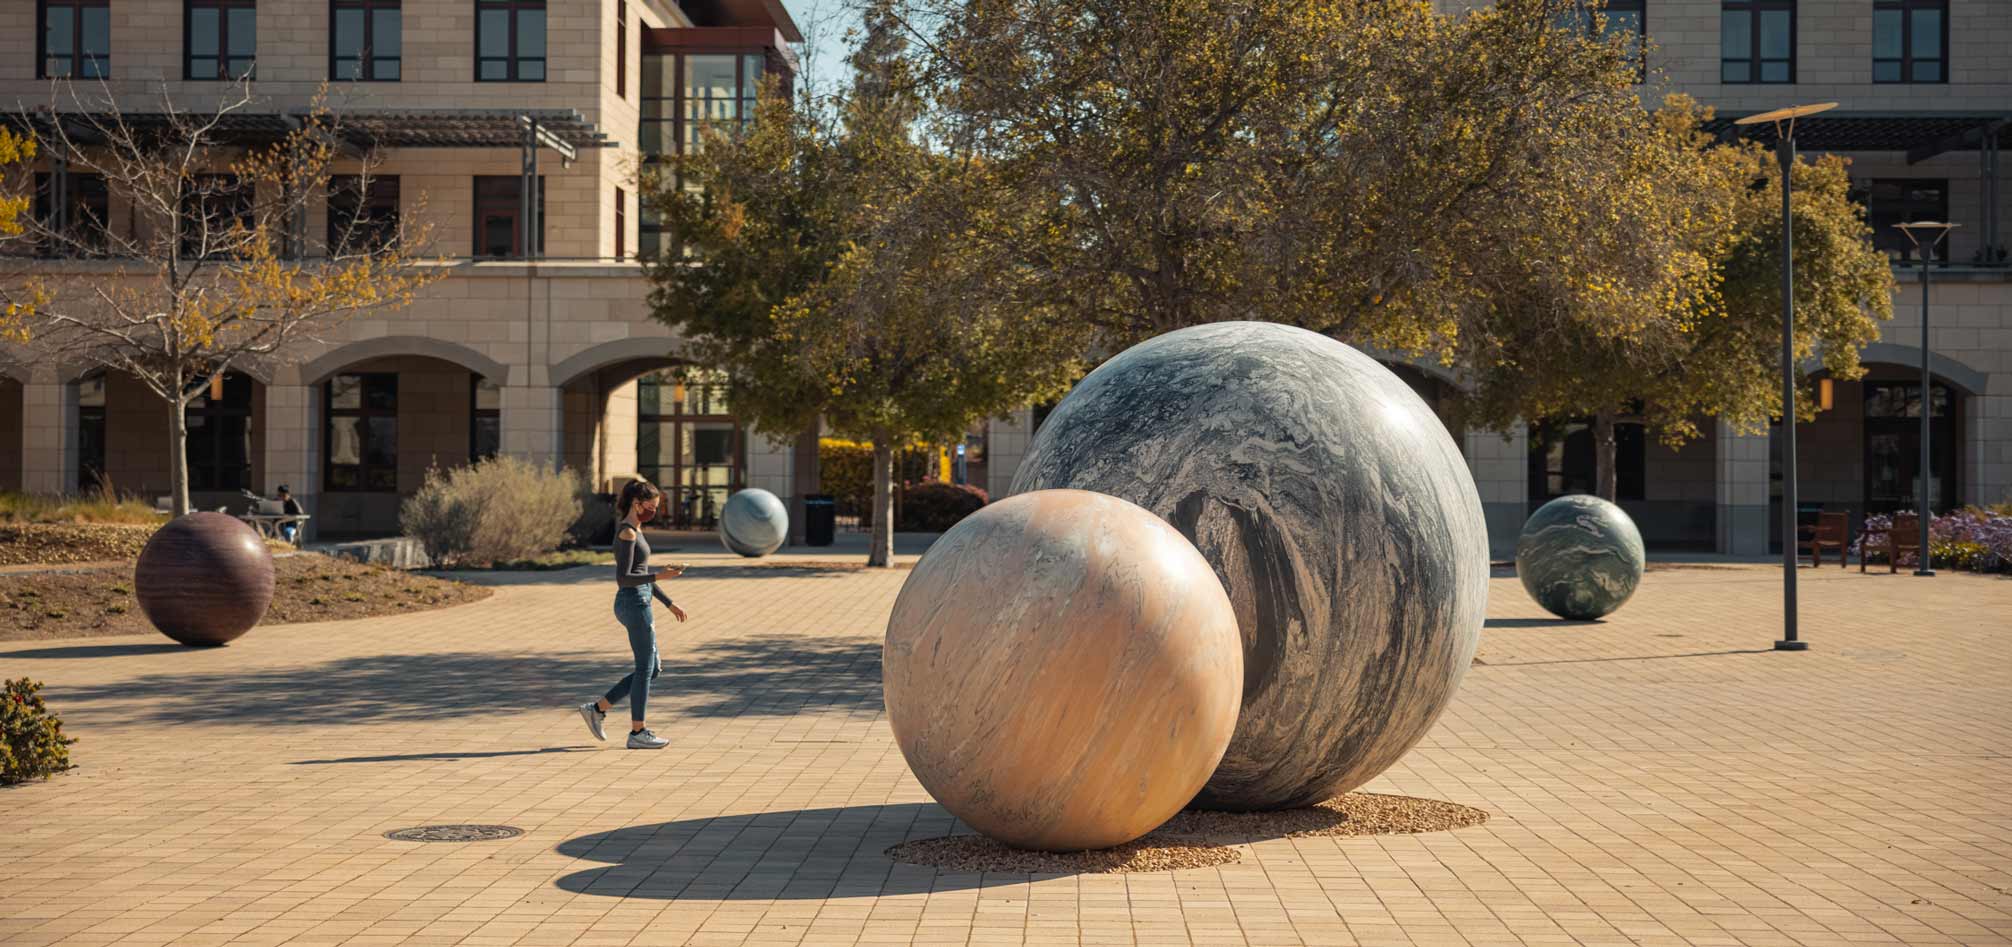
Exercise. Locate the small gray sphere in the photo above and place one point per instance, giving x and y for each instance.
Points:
(754, 523)
(1580, 557)
(1339, 515)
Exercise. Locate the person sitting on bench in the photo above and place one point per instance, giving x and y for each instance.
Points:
(290, 507)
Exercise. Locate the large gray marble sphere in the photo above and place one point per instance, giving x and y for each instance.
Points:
(754, 523)
(1579, 556)
(1339, 515)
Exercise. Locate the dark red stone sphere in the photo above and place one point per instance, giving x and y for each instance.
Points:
(204, 578)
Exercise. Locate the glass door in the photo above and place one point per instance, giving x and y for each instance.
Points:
(1893, 447)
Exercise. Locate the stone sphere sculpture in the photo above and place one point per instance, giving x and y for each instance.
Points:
(1062, 671)
(754, 523)
(204, 578)
(1338, 513)
(1580, 557)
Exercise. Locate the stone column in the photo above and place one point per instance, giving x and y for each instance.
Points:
(293, 445)
(48, 434)
(1006, 444)
(533, 417)
(1500, 464)
(1743, 463)
(770, 464)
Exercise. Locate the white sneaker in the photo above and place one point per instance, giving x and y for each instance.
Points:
(594, 715)
(645, 740)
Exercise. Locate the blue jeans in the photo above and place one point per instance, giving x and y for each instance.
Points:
(632, 609)
(288, 530)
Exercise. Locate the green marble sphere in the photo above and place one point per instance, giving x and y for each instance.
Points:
(1580, 557)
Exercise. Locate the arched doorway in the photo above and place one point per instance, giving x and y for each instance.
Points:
(382, 423)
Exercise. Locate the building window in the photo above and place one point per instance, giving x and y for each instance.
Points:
(362, 215)
(85, 208)
(1890, 201)
(621, 225)
(90, 432)
(622, 48)
(365, 41)
(216, 215)
(1562, 460)
(219, 440)
(1893, 447)
(1627, 19)
(221, 38)
(1757, 41)
(499, 207)
(1908, 40)
(485, 419)
(683, 95)
(510, 40)
(688, 443)
(361, 441)
(76, 38)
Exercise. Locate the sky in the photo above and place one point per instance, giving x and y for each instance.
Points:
(823, 23)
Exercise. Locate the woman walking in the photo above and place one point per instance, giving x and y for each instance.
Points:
(635, 583)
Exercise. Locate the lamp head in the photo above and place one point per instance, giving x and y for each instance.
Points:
(1925, 234)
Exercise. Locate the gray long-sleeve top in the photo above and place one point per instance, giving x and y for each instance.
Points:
(632, 563)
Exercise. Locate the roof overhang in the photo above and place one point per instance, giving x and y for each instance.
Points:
(1920, 135)
(763, 13)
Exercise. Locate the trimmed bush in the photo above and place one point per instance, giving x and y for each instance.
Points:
(32, 744)
(845, 472)
(934, 506)
(499, 509)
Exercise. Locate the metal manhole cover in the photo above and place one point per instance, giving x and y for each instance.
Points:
(454, 833)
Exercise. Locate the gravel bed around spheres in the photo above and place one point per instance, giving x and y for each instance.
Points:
(1200, 839)
(95, 602)
(62, 543)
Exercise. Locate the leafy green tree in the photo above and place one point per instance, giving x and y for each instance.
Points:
(837, 265)
(1366, 168)
(1712, 345)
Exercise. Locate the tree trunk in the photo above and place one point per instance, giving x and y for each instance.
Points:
(1603, 455)
(178, 456)
(880, 552)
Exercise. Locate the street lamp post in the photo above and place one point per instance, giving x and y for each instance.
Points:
(1925, 235)
(1784, 130)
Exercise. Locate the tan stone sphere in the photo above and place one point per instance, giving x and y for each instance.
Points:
(1063, 670)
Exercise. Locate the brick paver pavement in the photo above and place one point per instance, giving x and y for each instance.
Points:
(1660, 778)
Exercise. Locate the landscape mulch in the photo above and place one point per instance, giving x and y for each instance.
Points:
(98, 601)
(62, 543)
(1197, 839)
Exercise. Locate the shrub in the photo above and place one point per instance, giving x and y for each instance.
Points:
(935, 506)
(498, 509)
(845, 472)
(32, 744)
(102, 505)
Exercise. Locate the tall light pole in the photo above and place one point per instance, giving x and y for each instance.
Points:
(1784, 132)
(1925, 235)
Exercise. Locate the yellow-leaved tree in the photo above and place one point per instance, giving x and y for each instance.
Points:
(206, 267)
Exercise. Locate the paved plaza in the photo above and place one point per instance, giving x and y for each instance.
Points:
(1659, 778)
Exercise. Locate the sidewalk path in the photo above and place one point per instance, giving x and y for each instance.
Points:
(1659, 778)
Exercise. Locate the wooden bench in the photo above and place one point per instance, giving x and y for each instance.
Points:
(1901, 537)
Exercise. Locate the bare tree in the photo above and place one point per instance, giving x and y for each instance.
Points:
(173, 243)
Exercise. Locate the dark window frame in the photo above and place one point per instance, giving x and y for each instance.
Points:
(365, 411)
(89, 199)
(379, 204)
(366, 58)
(682, 506)
(485, 205)
(1755, 60)
(206, 473)
(477, 414)
(223, 57)
(671, 120)
(621, 224)
(91, 430)
(76, 53)
(1582, 19)
(1881, 219)
(1903, 427)
(622, 49)
(1906, 9)
(233, 189)
(511, 60)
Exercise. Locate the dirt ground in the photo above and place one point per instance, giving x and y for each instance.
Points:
(99, 601)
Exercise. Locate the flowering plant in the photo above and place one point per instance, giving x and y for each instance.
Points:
(1971, 538)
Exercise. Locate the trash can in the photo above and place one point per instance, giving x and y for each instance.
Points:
(820, 519)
